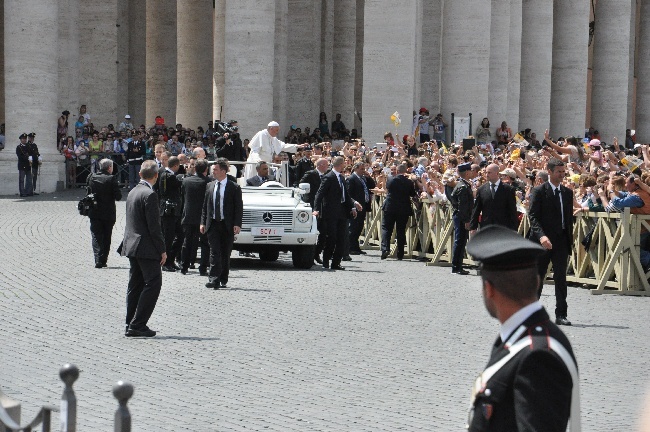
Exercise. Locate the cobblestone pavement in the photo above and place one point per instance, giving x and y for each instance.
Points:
(384, 346)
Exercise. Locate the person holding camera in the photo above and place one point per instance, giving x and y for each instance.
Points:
(104, 186)
(169, 191)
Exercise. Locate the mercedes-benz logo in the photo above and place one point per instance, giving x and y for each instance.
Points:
(267, 217)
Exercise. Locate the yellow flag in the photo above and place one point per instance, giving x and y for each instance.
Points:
(395, 119)
(517, 138)
(516, 154)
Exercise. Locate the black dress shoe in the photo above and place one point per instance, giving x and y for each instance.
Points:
(347, 258)
(223, 284)
(212, 285)
(326, 264)
(145, 332)
(461, 272)
(168, 269)
(98, 265)
(104, 265)
(362, 252)
(353, 252)
(384, 255)
(184, 271)
(561, 320)
(203, 273)
(35, 193)
(338, 267)
(317, 259)
(400, 258)
(175, 267)
(126, 330)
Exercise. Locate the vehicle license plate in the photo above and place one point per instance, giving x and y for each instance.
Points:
(266, 231)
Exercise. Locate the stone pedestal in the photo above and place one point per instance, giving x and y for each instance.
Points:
(161, 61)
(465, 58)
(345, 40)
(643, 77)
(249, 64)
(389, 72)
(31, 89)
(610, 75)
(194, 46)
(536, 65)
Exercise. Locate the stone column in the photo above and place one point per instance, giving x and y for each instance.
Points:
(31, 89)
(249, 64)
(280, 66)
(326, 62)
(358, 64)
(68, 60)
(194, 45)
(610, 72)
(161, 61)
(137, 95)
(643, 77)
(345, 40)
(514, 66)
(499, 64)
(536, 65)
(430, 55)
(123, 48)
(2, 63)
(389, 51)
(304, 50)
(569, 73)
(98, 57)
(465, 58)
(218, 80)
(631, 65)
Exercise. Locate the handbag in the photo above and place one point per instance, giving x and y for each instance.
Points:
(586, 242)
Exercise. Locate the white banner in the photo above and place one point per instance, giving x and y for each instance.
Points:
(461, 129)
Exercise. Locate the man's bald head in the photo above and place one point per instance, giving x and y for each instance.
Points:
(492, 173)
(321, 165)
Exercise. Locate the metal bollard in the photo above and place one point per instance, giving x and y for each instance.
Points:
(69, 374)
(122, 392)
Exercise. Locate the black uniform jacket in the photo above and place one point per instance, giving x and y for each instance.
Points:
(545, 215)
(143, 236)
(462, 200)
(107, 191)
(400, 191)
(500, 210)
(193, 190)
(532, 391)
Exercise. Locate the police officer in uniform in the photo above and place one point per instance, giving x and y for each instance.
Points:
(531, 380)
(169, 192)
(304, 164)
(24, 167)
(135, 153)
(36, 159)
(462, 201)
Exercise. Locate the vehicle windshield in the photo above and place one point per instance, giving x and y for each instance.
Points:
(267, 190)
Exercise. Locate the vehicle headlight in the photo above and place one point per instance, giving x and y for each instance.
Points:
(303, 216)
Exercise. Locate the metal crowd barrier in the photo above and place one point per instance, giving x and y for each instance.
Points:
(611, 265)
(10, 409)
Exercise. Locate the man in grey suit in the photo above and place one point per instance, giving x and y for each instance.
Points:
(144, 245)
(262, 175)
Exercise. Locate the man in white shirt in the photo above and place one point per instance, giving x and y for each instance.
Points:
(265, 145)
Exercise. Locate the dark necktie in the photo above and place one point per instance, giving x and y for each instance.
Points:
(493, 188)
(365, 188)
(559, 197)
(342, 188)
(217, 201)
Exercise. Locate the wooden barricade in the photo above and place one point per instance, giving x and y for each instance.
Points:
(611, 265)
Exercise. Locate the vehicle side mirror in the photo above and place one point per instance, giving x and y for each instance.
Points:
(304, 188)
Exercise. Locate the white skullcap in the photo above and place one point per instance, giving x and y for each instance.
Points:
(273, 124)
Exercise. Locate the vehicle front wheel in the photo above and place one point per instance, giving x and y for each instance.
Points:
(303, 256)
(269, 255)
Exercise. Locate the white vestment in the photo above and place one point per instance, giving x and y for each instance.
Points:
(263, 147)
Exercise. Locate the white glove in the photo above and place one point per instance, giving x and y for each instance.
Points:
(40, 159)
(30, 158)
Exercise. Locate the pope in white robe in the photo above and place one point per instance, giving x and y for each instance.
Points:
(264, 146)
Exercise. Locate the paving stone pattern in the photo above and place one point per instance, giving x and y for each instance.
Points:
(384, 346)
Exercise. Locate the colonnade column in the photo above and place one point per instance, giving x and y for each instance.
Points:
(569, 73)
(643, 77)
(31, 89)
(249, 64)
(499, 61)
(161, 61)
(345, 41)
(280, 67)
(536, 66)
(610, 74)
(388, 66)
(465, 58)
(304, 48)
(137, 84)
(514, 66)
(68, 60)
(194, 44)
(358, 63)
(430, 55)
(326, 61)
(219, 64)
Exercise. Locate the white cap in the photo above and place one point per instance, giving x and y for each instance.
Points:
(127, 116)
(273, 124)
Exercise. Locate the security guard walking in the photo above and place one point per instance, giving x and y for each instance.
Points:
(531, 380)
(462, 201)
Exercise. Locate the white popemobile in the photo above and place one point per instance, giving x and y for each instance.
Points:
(276, 219)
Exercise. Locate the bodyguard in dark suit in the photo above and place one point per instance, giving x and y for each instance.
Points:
(102, 218)
(144, 245)
(551, 225)
(495, 202)
(262, 175)
(531, 380)
(334, 203)
(359, 192)
(462, 200)
(397, 210)
(221, 219)
(314, 178)
(169, 192)
(193, 191)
